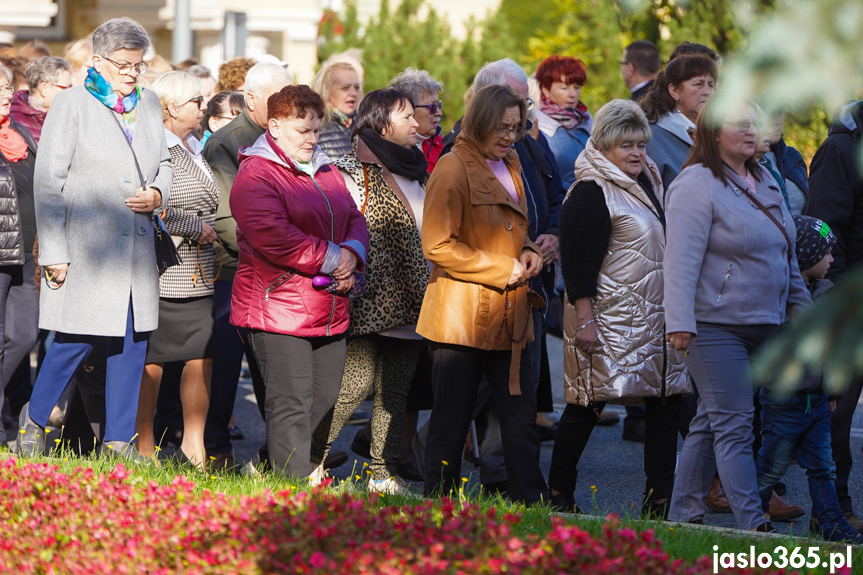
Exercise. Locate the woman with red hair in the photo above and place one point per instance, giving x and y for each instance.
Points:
(562, 118)
(297, 228)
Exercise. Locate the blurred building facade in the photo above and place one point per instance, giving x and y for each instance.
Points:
(287, 29)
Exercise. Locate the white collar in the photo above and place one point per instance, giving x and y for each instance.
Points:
(681, 117)
(639, 86)
(194, 144)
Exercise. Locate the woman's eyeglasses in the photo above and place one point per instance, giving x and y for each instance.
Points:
(124, 69)
(7, 89)
(517, 132)
(198, 100)
(433, 108)
(744, 125)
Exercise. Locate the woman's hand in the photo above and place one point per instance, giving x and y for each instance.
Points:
(145, 200)
(680, 341)
(518, 275)
(57, 273)
(532, 261)
(347, 265)
(208, 234)
(586, 338)
(549, 245)
(346, 285)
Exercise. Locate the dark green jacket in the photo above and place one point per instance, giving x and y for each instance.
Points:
(222, 153)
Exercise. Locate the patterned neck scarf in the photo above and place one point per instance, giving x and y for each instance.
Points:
(102, 90)
(342, 118)
(569, 118)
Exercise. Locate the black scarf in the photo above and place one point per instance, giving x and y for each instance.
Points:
(406, 162)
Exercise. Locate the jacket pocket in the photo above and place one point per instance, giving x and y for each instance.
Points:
(483, 308)
(623, 329)
(279, 282)
(725, 281)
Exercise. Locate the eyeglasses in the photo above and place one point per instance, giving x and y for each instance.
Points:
(530, 104)
(433, 108)
(7, 89)
(124, 69)
(517, 132)
(198, 100)
(62, 87)
(743, 125)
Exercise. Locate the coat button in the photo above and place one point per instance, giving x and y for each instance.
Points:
(142, 231)
(200, 213)
(508, 225)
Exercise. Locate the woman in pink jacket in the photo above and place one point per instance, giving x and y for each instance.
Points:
(296, 222)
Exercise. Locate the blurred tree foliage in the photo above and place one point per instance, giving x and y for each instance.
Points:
(413, 34)
(596, 31)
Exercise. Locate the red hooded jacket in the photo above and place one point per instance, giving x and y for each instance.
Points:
(290, 227)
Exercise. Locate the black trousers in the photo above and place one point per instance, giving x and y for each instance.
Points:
(456, 373)
(840, 431)
(302, 376)
(660, 444)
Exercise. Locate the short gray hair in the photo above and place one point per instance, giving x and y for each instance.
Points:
(198, 71)
(617, 121)
(499, 72)
(262, 75)
(6, 72)
(44, 70)
(415, 84)
(119, 34)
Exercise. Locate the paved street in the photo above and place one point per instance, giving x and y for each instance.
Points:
(612, 465)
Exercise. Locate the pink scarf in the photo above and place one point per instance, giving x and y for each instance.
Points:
(569, 118)
(12, 144)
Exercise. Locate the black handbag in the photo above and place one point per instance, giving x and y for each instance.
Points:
(166, 251)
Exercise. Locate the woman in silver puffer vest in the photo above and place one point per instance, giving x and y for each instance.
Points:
(612, 236)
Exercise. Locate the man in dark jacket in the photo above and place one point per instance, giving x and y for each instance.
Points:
(639, 67)
(836, 197)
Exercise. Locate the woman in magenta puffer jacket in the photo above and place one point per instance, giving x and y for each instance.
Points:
(295, 221)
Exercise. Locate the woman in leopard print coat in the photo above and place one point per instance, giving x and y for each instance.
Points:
(386, 173)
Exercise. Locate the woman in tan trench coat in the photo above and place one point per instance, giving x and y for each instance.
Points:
(476, 310)
(612, 245)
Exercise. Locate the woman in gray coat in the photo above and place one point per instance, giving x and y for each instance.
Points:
(730, 279)
(103, 170)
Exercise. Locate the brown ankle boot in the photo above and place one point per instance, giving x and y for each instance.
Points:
(716, 500)
(780, 510)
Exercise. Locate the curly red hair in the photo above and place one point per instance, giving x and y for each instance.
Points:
(294, 102)
(564, 69)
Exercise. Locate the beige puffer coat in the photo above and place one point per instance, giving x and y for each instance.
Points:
(632, 360)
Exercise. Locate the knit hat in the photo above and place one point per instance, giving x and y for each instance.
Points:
(814, 241)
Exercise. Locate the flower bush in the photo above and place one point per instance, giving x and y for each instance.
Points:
(118, 523)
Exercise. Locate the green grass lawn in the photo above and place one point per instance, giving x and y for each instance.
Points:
(680, 541)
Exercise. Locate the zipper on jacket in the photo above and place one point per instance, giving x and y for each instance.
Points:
(725, 283)
(281, 280)
(332, 239)
(664, 368)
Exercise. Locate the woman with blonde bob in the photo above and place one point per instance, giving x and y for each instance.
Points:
(612, 243)
(340, 87)
(185, 290)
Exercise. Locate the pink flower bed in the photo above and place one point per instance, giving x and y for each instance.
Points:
(80, 523)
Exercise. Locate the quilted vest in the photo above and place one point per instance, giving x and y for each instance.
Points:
(631, 360)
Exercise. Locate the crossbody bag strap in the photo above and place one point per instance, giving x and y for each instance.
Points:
(135, 157)
(772, 219)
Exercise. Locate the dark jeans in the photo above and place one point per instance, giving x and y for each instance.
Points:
(302, 377)
(799, 425)
(456, 373)
(125, 366)
(840, 432)
(660, 444)
(229, 346)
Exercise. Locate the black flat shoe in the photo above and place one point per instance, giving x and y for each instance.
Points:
(362, 445)
(335, 459)
(410, 471)
(654, 511)
(564, 503)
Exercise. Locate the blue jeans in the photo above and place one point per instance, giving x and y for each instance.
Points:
(799, 425)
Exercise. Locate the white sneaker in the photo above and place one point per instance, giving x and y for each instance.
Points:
(318, 475)
(392, 486)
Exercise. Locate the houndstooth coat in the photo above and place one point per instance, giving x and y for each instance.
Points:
(194, 199)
